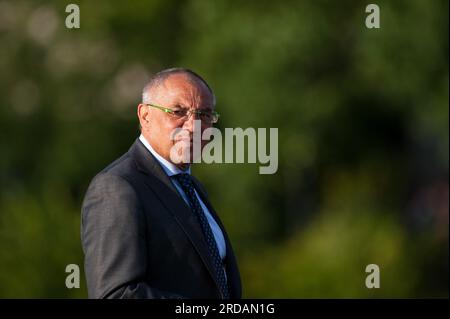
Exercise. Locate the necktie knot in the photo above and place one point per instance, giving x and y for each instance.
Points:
(184, 180)
(186, 184)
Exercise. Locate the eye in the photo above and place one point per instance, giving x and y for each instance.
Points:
(206, 116)
(179, 112)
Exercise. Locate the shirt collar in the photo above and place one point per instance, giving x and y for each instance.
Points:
(169, 168)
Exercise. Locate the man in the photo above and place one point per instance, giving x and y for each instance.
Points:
(148, 229)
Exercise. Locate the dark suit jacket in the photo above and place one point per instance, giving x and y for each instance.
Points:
(141, 240)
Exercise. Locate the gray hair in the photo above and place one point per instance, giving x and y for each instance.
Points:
(159, 78)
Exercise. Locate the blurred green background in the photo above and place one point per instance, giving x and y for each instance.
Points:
(363, 135)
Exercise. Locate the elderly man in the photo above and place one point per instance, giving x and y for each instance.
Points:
(148, 229)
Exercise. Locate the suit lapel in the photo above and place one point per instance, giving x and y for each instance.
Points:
(162, 186)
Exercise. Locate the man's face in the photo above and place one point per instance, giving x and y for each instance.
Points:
(178, 91)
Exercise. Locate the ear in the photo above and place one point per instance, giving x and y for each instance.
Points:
(143, 115)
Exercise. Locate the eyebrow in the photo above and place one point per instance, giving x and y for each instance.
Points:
(181, 106)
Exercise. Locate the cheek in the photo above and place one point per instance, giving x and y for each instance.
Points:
(204, 127)
(161, 130)
(204, 142)
(167, 132)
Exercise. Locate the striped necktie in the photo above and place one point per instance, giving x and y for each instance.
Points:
(187, 185)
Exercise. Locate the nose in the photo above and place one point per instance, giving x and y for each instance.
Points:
(189, 122)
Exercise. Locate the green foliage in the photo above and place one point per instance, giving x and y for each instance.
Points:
(363, 135)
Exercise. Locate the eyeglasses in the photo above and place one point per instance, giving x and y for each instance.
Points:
(208, 117)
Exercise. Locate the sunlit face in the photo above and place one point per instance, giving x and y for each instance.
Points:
(177, 91)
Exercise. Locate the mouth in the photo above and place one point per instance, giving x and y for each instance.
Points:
(184, 140)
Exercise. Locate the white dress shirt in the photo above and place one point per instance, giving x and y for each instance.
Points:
(170, 169)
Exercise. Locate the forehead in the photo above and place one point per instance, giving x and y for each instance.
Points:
(184, 88)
